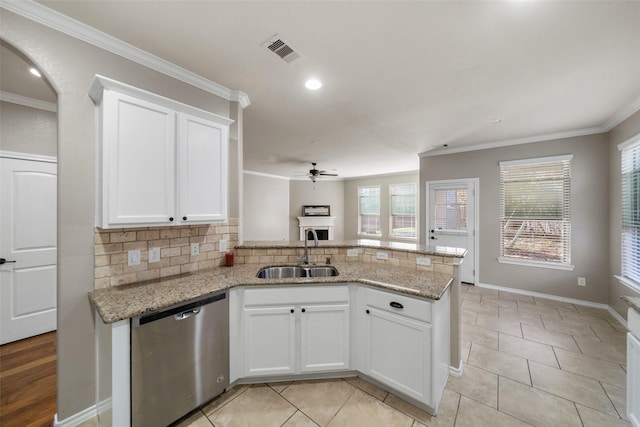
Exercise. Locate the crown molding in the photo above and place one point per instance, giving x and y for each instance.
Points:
(622, 115)
(28, 102)
(71, 27)
(613, 121)
(266, 175)
(516, 141)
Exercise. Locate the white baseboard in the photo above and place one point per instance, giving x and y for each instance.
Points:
(76, 419)
(557, 298)
(456, 372)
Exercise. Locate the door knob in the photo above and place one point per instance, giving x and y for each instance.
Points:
(4, 261)
(434, 238)
(433, 231)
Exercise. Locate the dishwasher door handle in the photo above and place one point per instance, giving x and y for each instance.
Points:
(187, 314)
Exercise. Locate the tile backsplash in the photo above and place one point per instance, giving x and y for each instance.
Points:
(406, 259)
(112, 246)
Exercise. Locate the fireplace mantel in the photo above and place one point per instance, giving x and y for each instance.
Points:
(317, 223)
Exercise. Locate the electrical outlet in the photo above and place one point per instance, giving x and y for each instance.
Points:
(352, 252)
(582, 281)
(382, 255)
(195, 249)
(133, 257)
(423, 260)
(222, 246)
(154, 255)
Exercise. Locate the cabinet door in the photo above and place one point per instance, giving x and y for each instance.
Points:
(633, 379)
(269, 341)
(398, 353)
(324, 338)
(138, 161)
(202, 174)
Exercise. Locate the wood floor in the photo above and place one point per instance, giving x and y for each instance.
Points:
(28, 382)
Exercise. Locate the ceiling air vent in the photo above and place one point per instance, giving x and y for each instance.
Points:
(281, 48)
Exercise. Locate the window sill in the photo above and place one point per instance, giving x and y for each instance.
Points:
(629, 283)
(532, 263)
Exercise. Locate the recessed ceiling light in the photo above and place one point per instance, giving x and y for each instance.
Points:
(35, 72)
(313, 84)
(496, 120)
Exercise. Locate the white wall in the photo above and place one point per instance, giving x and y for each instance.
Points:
(266, 207)
(326, 192)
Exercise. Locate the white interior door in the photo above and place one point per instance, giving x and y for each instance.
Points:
(28, 191)
(451, 220)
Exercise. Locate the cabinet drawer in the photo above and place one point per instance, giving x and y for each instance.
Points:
(296, 295)
(399, 304)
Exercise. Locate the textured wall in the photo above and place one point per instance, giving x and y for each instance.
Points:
(589, 214)
(265, 208)
(70, 65)
(28, 130)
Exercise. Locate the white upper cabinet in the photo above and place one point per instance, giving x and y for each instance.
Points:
(159, 162)
(202, 166)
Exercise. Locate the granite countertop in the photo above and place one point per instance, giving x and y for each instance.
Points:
(363, 243)
(633, 302)
(123, 302)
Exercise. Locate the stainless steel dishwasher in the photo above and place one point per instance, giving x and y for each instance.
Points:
(179, 360)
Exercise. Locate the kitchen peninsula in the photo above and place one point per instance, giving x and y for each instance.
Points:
(385, 292)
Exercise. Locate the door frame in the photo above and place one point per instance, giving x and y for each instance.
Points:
(476, 215)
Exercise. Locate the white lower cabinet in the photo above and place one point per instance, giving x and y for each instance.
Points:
(397, 352)
(324, 337)
(269, 341)
(291, 330)
(398, 341)
(405, 343)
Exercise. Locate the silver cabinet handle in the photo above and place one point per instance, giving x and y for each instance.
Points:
(187, 314)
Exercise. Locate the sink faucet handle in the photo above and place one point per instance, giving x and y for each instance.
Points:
(328, 260)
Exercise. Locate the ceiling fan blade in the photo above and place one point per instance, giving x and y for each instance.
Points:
(328, 174)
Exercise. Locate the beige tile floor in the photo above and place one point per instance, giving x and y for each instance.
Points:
(527, 362)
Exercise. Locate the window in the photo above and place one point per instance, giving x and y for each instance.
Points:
(402, 221)
(369, 210)
(450, 206)
(631, 213)
(535, 211)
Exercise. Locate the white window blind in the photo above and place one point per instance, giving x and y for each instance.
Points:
(369, 210)
(630, 157)
(402, 210)
(535, 210)
(450, 209)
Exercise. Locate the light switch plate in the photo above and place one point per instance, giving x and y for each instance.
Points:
(154, 255)
(133, 257)
(222, 246)
(352, 252)
(582, 281)
(195, 249)
(423, 260)
(382, 255)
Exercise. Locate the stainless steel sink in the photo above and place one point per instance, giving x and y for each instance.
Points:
(289, 271)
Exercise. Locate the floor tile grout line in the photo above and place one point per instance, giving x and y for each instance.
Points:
(610, 400)
(575, 405)
(344, 403)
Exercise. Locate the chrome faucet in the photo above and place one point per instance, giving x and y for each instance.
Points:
(305, 257)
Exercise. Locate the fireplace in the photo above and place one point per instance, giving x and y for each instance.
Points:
(322, 224)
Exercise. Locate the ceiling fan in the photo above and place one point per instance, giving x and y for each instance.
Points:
(314, 173)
